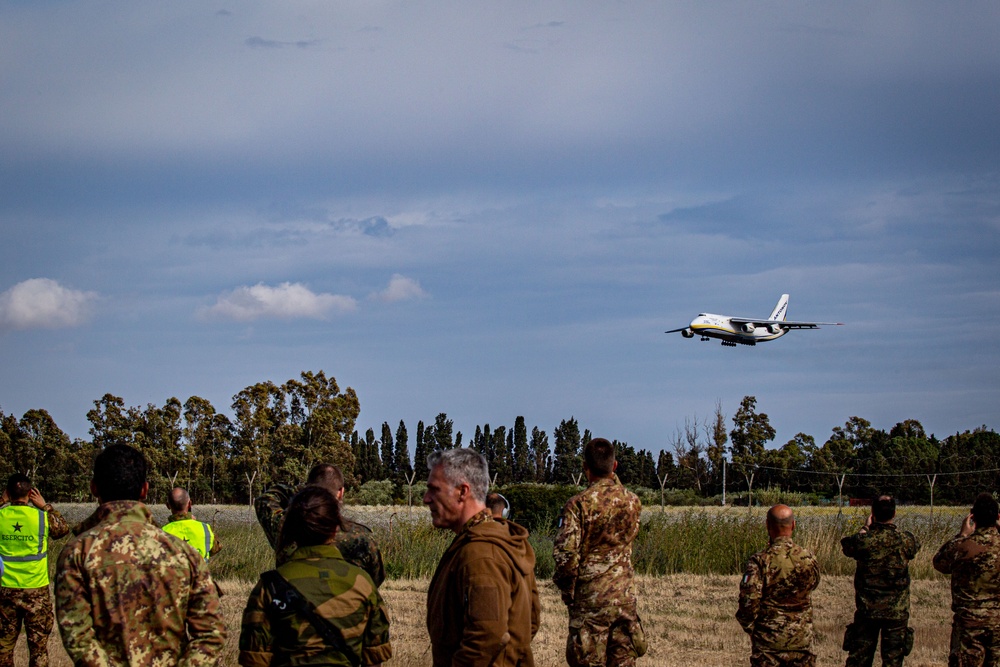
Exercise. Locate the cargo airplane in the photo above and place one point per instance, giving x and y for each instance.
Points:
(745, 330)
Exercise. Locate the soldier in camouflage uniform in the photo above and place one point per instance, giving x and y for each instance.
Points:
(127, 593)
(972, 558)
(348, 624)
(881, 588)
(775, 608)
(593, 554)
(354, 540)
(27, 525)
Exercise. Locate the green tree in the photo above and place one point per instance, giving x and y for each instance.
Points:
(523, 464)
(258, 411)
(389, 470)
(539, 448)
(568, 463)
(443, 432)
(402, 455)
(420, 453)
(750, 435)
(110, 422)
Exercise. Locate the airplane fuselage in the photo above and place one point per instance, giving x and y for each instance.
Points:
(722, 328)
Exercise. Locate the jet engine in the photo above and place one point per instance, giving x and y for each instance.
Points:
(749, 327)
(774, 328)
(687, 333)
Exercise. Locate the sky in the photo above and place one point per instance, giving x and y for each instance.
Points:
(496, 209)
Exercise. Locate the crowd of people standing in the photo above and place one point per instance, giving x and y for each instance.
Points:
(129, 592)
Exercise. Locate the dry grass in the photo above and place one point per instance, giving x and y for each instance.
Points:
(688, 618)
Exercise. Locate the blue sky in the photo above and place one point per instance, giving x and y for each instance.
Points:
(496, 209)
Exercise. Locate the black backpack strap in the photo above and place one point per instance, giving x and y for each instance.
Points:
(284, 597)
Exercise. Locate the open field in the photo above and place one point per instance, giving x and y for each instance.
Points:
(688, 612)
(689, 620)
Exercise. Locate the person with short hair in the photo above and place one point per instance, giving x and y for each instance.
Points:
(183, 525)
(498, 505)
(972, 558)
(775, 606)
(593, 554)
(128, 593)
(354, 540)
(881, 588)
(27, 525)
(315, 608)
(482, 604)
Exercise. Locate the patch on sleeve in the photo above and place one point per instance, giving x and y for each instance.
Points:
(484, 603)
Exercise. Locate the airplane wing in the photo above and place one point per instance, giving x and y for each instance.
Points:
(786, 324)
(676, 330)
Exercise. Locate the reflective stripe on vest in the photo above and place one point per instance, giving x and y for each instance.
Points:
(25, 552)
(197, 534)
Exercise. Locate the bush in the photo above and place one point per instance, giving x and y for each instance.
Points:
(537, 506)
(372, 493)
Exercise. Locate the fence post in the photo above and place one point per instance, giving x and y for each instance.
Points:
(840, 493)
(932, 481)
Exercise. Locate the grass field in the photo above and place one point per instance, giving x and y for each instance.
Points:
(688, 613)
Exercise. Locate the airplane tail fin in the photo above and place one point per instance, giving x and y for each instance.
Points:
(780, 310)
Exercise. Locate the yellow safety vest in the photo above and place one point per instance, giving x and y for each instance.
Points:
(24, 546)
(199, 535)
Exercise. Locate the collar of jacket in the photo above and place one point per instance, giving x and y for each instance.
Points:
(316, 551)
(878, 525)
(607, 481)
(783, 539)
(181, 516)
(124, 510)
(483, 516)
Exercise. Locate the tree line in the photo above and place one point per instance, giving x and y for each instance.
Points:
(277, 432)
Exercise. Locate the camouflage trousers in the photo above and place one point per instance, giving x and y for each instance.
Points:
(861, 640)
(761, 657)
(975, 645)
(600, 641)
(31, 607)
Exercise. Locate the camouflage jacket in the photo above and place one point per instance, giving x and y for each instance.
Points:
(343, 594)
(775, 608)
(974, 565)
(593, 549)
(882, 577)
(354, 540)
(129, 594)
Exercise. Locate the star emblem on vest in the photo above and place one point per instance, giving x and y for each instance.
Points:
(17, 528)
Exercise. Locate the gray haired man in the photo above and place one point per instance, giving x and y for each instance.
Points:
(482, 604)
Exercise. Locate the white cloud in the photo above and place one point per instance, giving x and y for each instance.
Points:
(42, 303)
(285, 301)
(401, 288)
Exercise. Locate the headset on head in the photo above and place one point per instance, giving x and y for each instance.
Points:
(506, 506)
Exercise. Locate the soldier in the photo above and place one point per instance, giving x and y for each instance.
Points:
(126, 592)
(354, 540)
(182, 524)
(881, 588)
(499, 507)
(593, 554)
(26, 526)
(775, 607)
(972, 558)
(315, 609)
(482, 604)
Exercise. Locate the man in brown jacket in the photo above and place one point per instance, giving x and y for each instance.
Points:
(482, 604)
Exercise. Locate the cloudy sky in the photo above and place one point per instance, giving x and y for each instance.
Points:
(496, 209)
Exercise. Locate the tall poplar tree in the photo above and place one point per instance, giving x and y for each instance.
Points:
(524, 466)
(389, 470)
(420, 453)
(402, 456)
(567, 462)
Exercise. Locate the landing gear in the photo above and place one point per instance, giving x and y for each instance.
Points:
(728, 343)
(704, 338)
